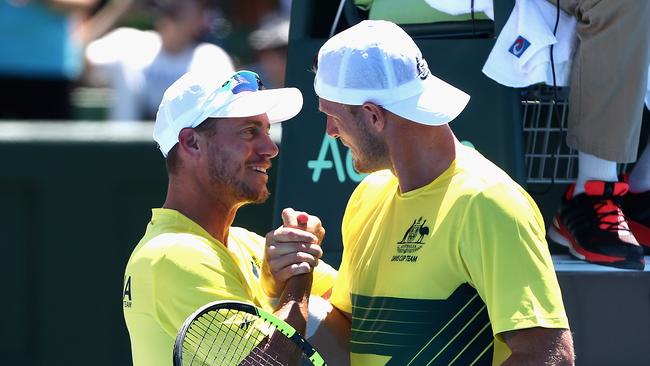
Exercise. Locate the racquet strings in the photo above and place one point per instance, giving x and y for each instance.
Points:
(227, 337)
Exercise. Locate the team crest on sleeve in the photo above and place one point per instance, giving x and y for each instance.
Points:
(519, 46)
(412, 241)
(256, 271)
(255, 266)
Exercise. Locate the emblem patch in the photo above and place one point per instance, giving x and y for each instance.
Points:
(519, 46)
(412, 241)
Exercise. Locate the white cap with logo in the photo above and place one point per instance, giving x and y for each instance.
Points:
(195, 97)
(376, 61)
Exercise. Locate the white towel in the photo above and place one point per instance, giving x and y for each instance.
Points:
(521, 54)
(457, 7)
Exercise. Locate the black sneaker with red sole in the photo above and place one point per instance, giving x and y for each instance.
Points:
(636, 207)
(594, 228)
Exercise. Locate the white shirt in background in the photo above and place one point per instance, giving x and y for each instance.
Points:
(139, 70)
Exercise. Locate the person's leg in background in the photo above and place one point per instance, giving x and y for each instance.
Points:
(608, 84)
(639, 179)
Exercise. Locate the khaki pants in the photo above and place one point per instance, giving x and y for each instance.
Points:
(608, 76)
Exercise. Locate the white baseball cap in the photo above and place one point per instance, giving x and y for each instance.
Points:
(195, 97)
(376, 61)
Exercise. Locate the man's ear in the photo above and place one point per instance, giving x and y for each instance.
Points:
(188, 141)
(375, 114)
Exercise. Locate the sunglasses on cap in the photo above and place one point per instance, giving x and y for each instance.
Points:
(244, 81)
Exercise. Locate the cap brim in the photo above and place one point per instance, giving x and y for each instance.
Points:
(278, 104)
(439, 103)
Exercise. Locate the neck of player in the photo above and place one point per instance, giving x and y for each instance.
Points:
(429, 152)
(214, 214)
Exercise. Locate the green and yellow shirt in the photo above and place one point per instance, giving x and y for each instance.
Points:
(432, 275)
(178, 267)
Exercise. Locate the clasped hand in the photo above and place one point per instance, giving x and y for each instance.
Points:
(292, 249)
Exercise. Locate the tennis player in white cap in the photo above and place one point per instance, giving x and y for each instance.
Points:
(445, 259)
(215, 138)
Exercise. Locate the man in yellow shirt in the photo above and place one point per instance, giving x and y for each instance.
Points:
(215, 138)
(445, 260)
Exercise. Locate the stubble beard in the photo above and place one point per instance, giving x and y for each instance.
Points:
(372, 152)
(223, 172)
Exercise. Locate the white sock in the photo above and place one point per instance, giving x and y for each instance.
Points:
(640, 175)
(593, 168)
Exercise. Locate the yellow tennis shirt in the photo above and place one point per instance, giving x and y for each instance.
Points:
(178, 267)
(431, 275)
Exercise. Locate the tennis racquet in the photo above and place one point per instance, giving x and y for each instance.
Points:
(234, 333)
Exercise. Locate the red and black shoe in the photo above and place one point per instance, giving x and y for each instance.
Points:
(594, 228)
(636, 207)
